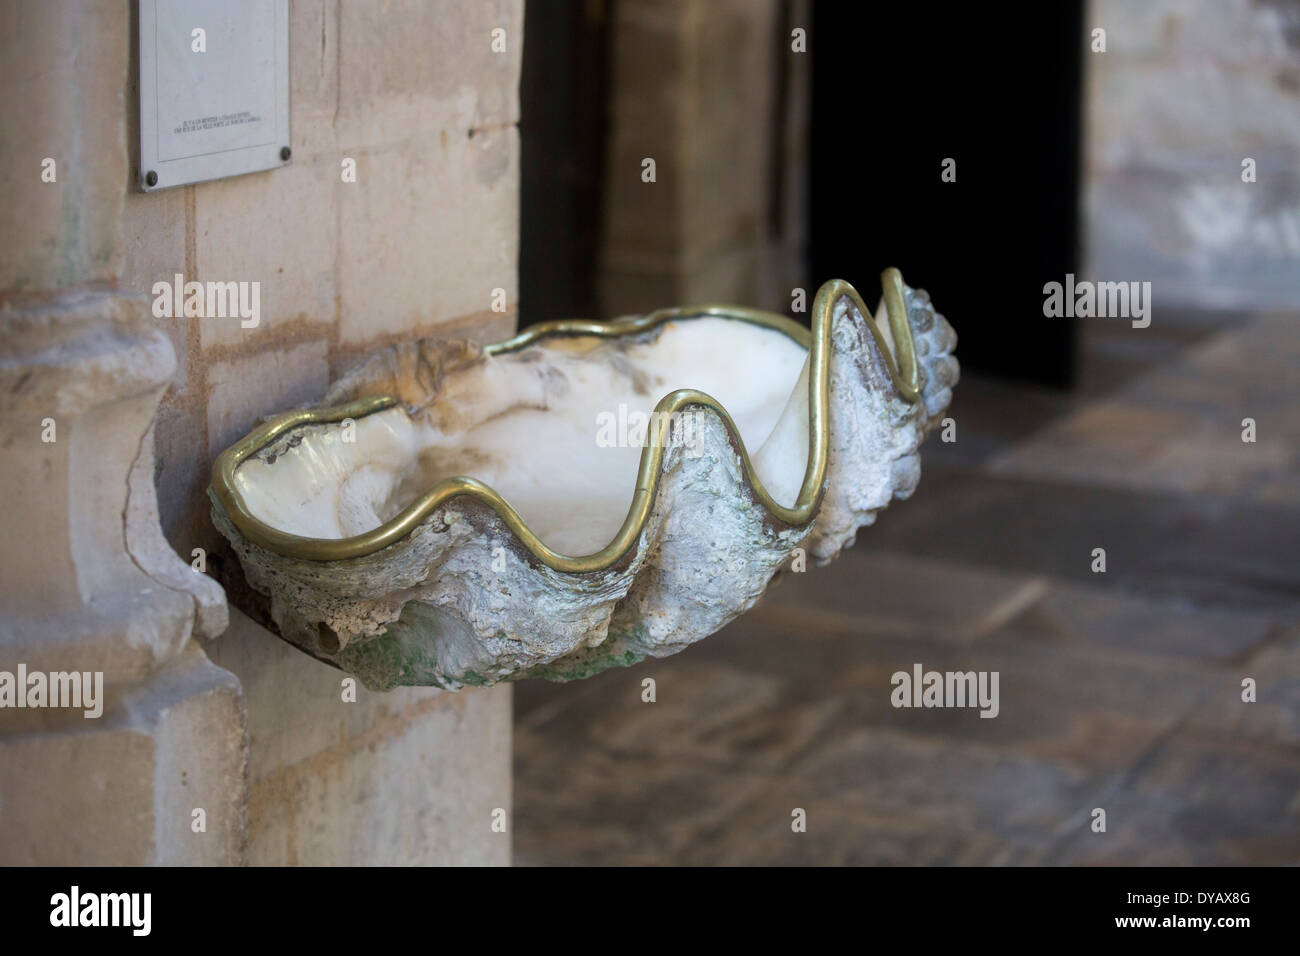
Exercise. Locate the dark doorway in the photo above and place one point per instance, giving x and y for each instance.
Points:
(899, 88)
(562, 136)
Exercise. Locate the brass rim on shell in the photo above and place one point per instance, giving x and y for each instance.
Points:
(904, 372)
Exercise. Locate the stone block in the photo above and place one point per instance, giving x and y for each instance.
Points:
(121, 790)
(253, 387)
(409, 70)
(408, 777)
(279, 229)
(427, 233)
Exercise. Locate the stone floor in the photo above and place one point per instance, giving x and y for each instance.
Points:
(1118, 690)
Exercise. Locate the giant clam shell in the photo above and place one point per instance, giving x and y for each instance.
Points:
(455, 515)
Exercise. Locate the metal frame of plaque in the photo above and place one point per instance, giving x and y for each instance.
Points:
(215, 104)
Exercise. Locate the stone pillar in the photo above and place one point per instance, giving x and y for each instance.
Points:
(87, 582)
(234, 723)
(713, 93)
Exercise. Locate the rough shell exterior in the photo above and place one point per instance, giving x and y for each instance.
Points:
(435, 609)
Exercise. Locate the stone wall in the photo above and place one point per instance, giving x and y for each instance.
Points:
(1187, 90)
(234, 722)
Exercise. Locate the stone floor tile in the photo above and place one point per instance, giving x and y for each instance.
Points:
(1094, 616)
(901, 592)
(1272, 720)
(883, 797)
(587, 805)
(1178, 427)
(1197, 802)
(1231, 555)
(1120, 690)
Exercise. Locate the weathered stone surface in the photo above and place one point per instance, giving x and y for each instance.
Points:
(121, 790)
(404, 778)
(409, 68)
(293, 254)
(63, 233)
(457, 200)
(1159, 545)
(86, 371)
(1099, 617)
(1272, 720)
(1183, 94)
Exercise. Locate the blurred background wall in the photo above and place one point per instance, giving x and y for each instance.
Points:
(705, 91)
(1188, 90)
(777, 169)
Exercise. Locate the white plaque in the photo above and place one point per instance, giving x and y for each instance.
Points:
(214, 89)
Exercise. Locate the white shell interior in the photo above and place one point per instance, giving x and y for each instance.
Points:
(556, 428)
